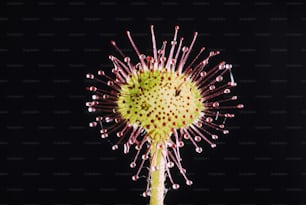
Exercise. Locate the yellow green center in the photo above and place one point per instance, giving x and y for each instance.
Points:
(159, 101)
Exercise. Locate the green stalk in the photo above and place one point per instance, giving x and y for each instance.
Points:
(158, 176)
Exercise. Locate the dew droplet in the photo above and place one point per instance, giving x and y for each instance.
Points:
(181, 144)
(127, 59)
(232, 84)
(198, 124)
(103, 136)
(209, 119)
(110, 83)
(197, 138)
(215, 104)
(214, 137)
(88, 104)
(144, 156)
(199, 149)
(135, 177)
(90, 76)
(228, 66)
(221, 67)
(133, 165)
(175, 186)
(95, 97)
(212, 87)
(213, 145)
(137, 147)
(219, 78)
(101, 72)
(92, 124)
(126, 148)
(189, 182)
(91, 109)
(142, 56)
(170, 164)
(103, 131)
(203, 74)
(94, 103)
(108, 119)
(225, 132)
(92, 88)
(114, 147)
(227, 91)
(119, 134)
(240, 106)
(104, 96)
(146, 194)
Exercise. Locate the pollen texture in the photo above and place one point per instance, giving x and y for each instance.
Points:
(160, 101)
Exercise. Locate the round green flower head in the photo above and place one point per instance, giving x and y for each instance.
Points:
(158, 103)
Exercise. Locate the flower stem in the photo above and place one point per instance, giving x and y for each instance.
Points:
(158, 175)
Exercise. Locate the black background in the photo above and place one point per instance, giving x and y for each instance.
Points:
(49, 155)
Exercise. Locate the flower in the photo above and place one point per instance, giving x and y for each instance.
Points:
(160, 102)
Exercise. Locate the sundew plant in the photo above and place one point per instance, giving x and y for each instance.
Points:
(157, 102)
